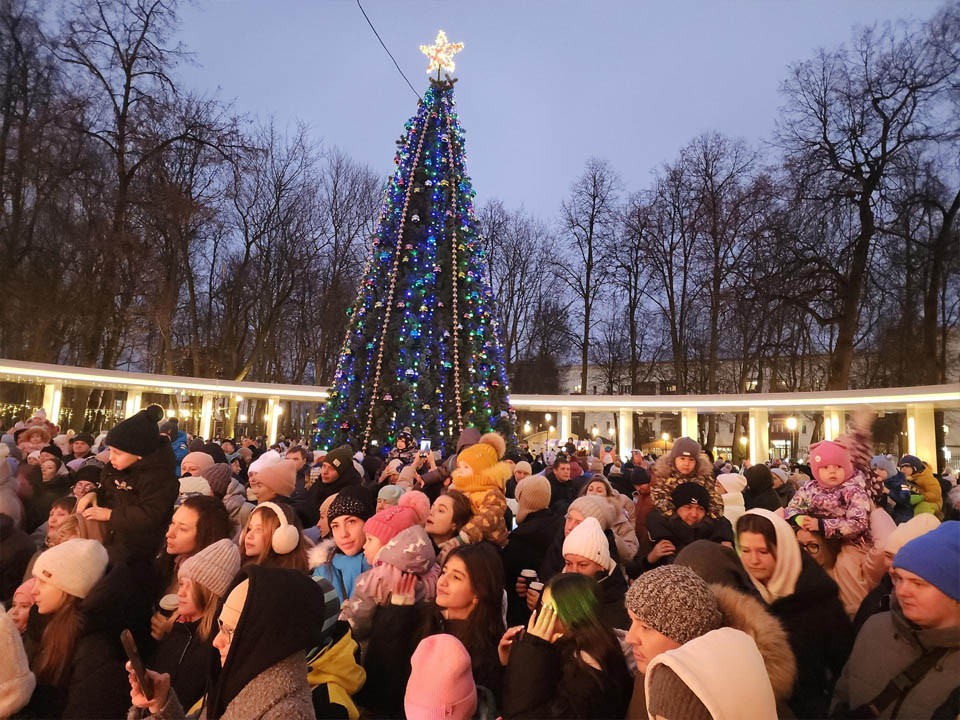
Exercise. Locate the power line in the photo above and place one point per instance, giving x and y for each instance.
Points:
(387, 50)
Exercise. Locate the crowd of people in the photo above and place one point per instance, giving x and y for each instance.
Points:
(282, 582)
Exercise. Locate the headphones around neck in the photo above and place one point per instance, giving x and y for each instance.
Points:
(286, 538)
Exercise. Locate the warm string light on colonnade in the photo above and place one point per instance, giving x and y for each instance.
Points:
(919, 403)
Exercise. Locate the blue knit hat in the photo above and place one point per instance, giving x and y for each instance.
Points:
(935, 556)
(882, 462)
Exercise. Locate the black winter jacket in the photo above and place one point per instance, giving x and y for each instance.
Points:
(141, 499)
(37, 506)
(526, 547)
(94, 684)
(543, 681)
(187, 658)
(397, 630)
(820, 636)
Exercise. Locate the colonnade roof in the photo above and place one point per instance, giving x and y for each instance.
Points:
(942, 396)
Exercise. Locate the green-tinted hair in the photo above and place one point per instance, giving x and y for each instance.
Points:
(575, 598)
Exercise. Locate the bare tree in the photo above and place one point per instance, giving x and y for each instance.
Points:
(849, 116)
(590, 216)
(518, 250)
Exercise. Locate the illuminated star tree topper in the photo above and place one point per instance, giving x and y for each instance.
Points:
(440, 54)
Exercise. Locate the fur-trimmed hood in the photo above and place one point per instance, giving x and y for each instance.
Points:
(321, 553)
(663, 467)
(749, 615)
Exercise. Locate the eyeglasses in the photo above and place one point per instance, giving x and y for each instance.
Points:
(227, 632)
(811, 547)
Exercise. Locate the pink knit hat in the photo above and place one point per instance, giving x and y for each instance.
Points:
(390, 521)
(441, 685)
(828, 452)
(281, 478)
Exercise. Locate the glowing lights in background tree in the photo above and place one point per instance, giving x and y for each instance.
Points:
(422, 349)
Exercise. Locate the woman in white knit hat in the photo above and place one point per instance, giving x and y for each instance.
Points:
(186, 652)
(79, 660)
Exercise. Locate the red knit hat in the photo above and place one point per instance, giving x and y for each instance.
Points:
(828, 452)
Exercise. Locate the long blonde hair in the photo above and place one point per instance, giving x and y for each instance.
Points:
(204, 597)
(296, 559)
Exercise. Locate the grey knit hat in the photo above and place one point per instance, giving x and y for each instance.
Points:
(674, 601)
(219, 476)
(685, 447)
(594, 506)
(214, 567)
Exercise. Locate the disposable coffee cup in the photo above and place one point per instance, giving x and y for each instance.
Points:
(528, 575)
(537, 587)
(168, 605)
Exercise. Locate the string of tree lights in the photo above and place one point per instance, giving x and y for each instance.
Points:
(421, 349)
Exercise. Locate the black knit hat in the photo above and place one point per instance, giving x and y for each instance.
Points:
(90, 471)
(691, 493)
(340, 458)
(82, 437)
(758, 478)
(139, 434)
(53, 450)
(353, 500)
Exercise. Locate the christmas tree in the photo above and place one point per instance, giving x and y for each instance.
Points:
(421, 350)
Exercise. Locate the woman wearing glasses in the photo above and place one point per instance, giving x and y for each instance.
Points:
(268, 622)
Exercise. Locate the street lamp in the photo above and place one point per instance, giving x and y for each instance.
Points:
(792, 427)
(666, 438)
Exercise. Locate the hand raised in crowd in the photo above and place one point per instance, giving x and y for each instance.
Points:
(662, 549)
(543, 624)
(810, 524)
(533, 596)
(161, 625)
(404, 590)
(506, 644)
(95, 512)
(161, 689)
(521, 588)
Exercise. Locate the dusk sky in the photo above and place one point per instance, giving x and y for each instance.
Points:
(542, 86)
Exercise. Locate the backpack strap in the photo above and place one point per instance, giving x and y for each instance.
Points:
(900, 686)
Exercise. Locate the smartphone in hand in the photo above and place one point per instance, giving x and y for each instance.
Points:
(133, 654)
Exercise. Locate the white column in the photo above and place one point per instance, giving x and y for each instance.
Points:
(52, 397)
(274, 411)
(206, 417)
(625, 433)
(132, 406)
(759, 435)
(832, 423)
(922, 434)
(688, 423)
(566, 424)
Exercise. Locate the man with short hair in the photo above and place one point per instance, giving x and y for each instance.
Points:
(81, 446)
(563, 490)
(906, 662)
(299, 457)
(336, 473)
